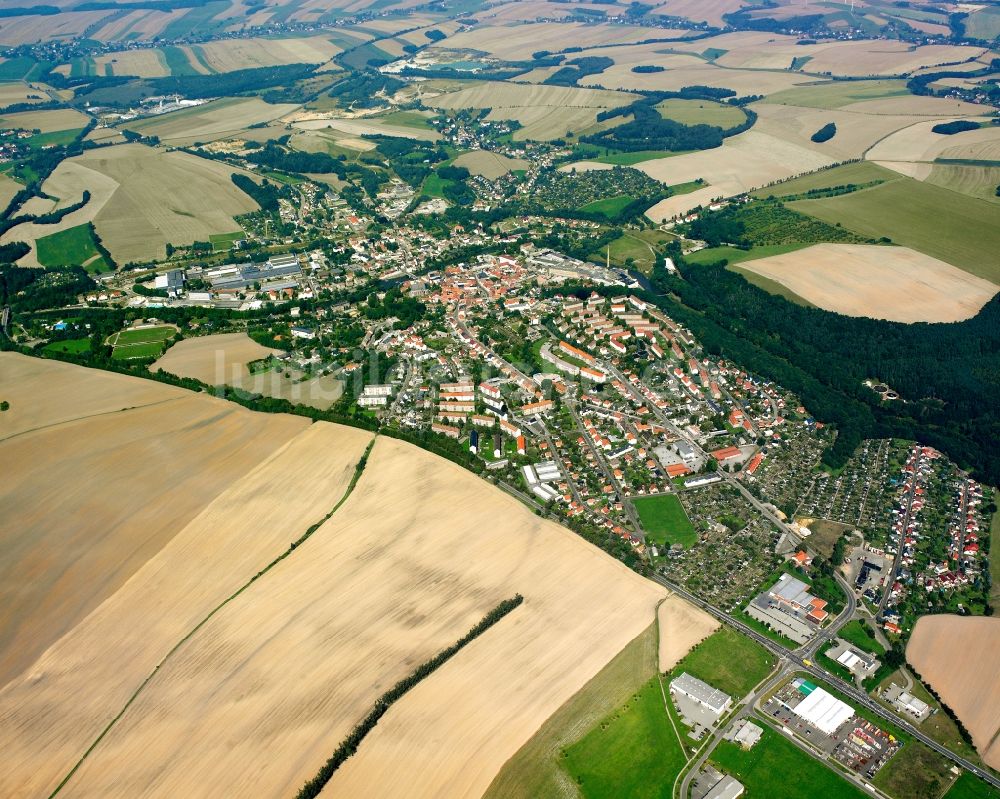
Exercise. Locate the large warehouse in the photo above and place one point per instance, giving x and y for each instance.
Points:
(821, 709)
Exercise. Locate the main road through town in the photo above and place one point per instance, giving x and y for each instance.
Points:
(796, 662)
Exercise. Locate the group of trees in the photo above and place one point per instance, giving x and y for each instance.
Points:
(351, 743)
(362, 88)
(578, 68)
(649, 130)
(764, 222)
(948, 374)
(958, 126)
(266, 194)
(825, 133)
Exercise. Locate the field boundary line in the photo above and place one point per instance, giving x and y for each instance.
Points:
(91, 416)
(358, 470)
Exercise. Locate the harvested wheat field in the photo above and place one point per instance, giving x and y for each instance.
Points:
(682, 626)
(418, 553)
(518, 42)
(222, 359)
(143, 198)
(546, 112)
(957, 656)
(216, 360)
(366, 127)
(488, 164)
(55, 709)
(744, 162)
(46, 121)
(215, 120)
(894, 283)
(227, 55)
(96, 496)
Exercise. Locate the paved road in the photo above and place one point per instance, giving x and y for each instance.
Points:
(796, 663)
(891, 581)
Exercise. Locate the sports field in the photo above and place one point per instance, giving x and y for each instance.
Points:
(144, 342)
(952, 227)
(664, 520)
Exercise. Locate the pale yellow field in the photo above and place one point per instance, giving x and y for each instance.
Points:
(518, 42)
(67, 184)
(55, 709)
(146, 63)
(489, 165)
(8, 188)
(137, 24)
(682, 625)
(546, 112)
(18, 92)
(253, 698)
(957, 656)
(710, 11)
(918, 106)
(46, 121)
(894, 283)
(227, 55)
(699, 73)
(29, 30)
(163, 197)
(218, 119)
(222, 359)
(879, 57)
(362, 126)
(743, 162)
(173, 450)
(919, 143)
(217, 360)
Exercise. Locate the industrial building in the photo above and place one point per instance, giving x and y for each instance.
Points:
(701, 693)
(821, 709)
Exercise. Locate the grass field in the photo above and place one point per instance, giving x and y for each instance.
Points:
(152, 349)
(633, 752)
(837, 94)
(728, 661)
(145, 335)
(72, 346)
(701, 112)
(224, 241)
(664, 520)
(854, 633)
(859, 172)
(608, 207)
(537, 769)
(72, 247)
(777, 767)
(970, 787)
(915, 772)
(957, 229)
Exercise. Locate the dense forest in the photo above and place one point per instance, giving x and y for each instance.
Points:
(948, 375)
